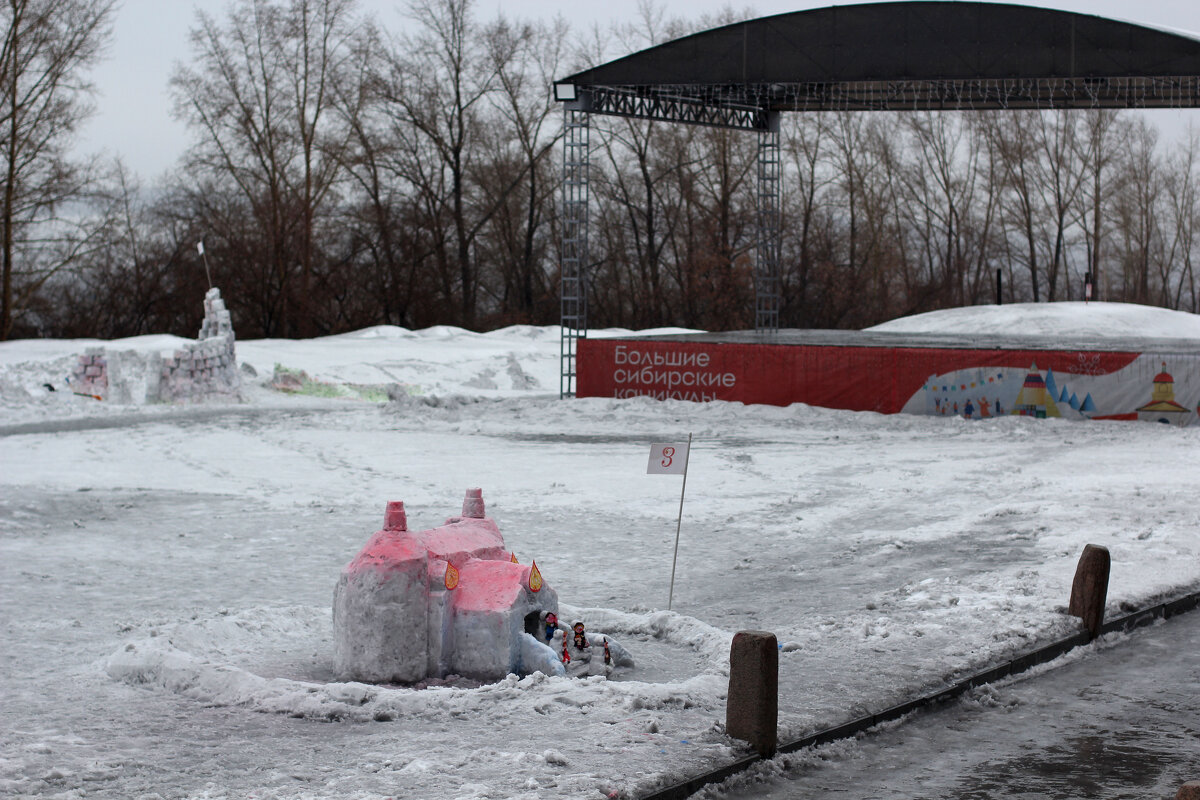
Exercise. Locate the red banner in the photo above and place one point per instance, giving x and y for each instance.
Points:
(855, 378)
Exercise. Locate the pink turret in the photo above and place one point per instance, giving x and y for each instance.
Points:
(394, 519)
(473, 504)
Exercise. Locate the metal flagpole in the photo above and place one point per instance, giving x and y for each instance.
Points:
(679, 523)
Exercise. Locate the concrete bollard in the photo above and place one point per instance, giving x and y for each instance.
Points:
(752, 711)
(1089, 590)
(1189, 791)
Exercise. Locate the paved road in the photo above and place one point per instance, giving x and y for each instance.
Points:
(1118, 721)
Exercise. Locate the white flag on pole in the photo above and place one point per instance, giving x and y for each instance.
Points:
(671, 458)
(200, 246)
(668, 458)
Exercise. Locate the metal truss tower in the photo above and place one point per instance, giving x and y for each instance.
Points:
(573, 251)
(767, 298)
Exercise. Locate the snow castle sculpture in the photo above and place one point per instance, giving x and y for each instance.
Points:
(208, 368)
(450, 600)
(200, 371)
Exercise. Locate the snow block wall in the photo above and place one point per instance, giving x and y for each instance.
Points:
(204, 370)
(90, 374)
(449, 600)
(207, 369)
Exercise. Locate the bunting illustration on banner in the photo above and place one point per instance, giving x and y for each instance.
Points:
(1147, 389)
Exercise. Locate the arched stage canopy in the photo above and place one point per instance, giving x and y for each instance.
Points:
(895, 56)
(899, 56)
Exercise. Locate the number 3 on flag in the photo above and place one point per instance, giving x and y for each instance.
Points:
(668, 458)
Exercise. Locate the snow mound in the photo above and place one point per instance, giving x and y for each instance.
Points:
(621, 333)
(387, 332)
(279, 660)
(1106, 320)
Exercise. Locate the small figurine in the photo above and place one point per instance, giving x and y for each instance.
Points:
(580, 639)
(566, 655)
(607, 655)
(551, 626)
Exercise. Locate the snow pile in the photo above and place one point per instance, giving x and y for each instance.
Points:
(1104, 320)
(440, 361)
(276, 660)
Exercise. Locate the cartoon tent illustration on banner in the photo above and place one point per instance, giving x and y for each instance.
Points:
(1034, 400)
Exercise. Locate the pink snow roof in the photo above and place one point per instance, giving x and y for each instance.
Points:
(490, 585)
(387, 549)
(459, 541)
(464, 538)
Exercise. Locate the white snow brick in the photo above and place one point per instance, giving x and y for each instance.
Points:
(491, 605)
(539, 657)
(381, 607)
(206, 369)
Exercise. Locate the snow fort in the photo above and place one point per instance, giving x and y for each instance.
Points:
(449, 600)
(199, 371)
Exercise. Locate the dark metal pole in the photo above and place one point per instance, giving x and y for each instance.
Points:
(766, 274)
(573, 253)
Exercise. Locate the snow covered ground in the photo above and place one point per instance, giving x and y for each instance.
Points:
(166, 573)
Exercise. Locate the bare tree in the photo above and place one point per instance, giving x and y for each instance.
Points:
(1136, 206)
(526, 59)
(382, 240)
(1012, 138)
(44, 97)
(1104, 134)
(947, 202)
(143, 278)
(805, 145)
(1061, 178)
(440, 77)
(259, 96)
(1183, 197)
(861, 157)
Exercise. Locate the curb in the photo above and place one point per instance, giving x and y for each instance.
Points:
(1131, 621)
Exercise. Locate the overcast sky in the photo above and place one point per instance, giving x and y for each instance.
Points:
(134, 109)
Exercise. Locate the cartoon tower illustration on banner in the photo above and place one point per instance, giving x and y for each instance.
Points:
(1162, 406)
(1033, 400)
